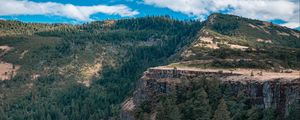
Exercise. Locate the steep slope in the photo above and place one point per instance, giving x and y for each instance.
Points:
(228, 40)
(242, 92)
(253, 32)
(62, 70)
(253, 66)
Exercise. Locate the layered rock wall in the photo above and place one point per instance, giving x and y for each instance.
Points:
(278, 93)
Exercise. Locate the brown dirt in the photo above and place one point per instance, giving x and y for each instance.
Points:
(7, 71)
(207, 42)
(5, 49)
(90, 71)
(232, 46)
(266, 75)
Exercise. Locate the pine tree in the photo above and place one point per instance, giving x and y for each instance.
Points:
(198, 108)
(214, 93)
(294, 112)
(222, 113)
(2, 115)
(254, 114)
(49, 117)
(269, 114)
(169, 110)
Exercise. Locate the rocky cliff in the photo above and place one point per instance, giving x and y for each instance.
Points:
(278, 93)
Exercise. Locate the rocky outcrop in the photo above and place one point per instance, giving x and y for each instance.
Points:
(279, 93)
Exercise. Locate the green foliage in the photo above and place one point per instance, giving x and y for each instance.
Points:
(269, 114)
(251, 30)
(269, 46)
(224, 24)
(269, 57)
(254, 114)
(222, 113)
(198, 107)
(168, 110)
(294, 112)
(127, 49)
(193, 100)
(143, 111)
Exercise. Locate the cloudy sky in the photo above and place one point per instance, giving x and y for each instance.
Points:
(283, 12)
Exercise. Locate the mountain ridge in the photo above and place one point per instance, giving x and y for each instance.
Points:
(96, 66)
(162, 91)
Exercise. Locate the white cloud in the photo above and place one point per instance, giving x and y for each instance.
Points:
(291, 24)
(80, 13)
(287, 10)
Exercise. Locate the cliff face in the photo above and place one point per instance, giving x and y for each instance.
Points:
(278, 93)
(275, 93)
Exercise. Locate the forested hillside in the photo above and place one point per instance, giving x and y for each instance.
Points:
(235, 69)
(232, 41)
(81, 72)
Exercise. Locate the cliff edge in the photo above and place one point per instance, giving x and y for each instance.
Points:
(265, 89)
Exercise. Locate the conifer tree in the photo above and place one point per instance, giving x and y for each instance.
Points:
(169, 110)
(254, 113)
(198, 108)
(294, 112)
(269, 114)
(2, 115)
(222, 113)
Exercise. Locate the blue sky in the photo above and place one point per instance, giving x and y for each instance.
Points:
(283, 12)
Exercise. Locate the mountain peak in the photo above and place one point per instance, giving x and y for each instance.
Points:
(232, 37)
(239, 26)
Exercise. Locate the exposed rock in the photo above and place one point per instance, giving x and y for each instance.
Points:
(127, 112)
(214, 42)
(23, 54)
(4, 49)
(240, 47)
(187, 53)
(253, 26)
(35, 76)
(280, 93)
(207, 42)
(264, 41)
(282, 33)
